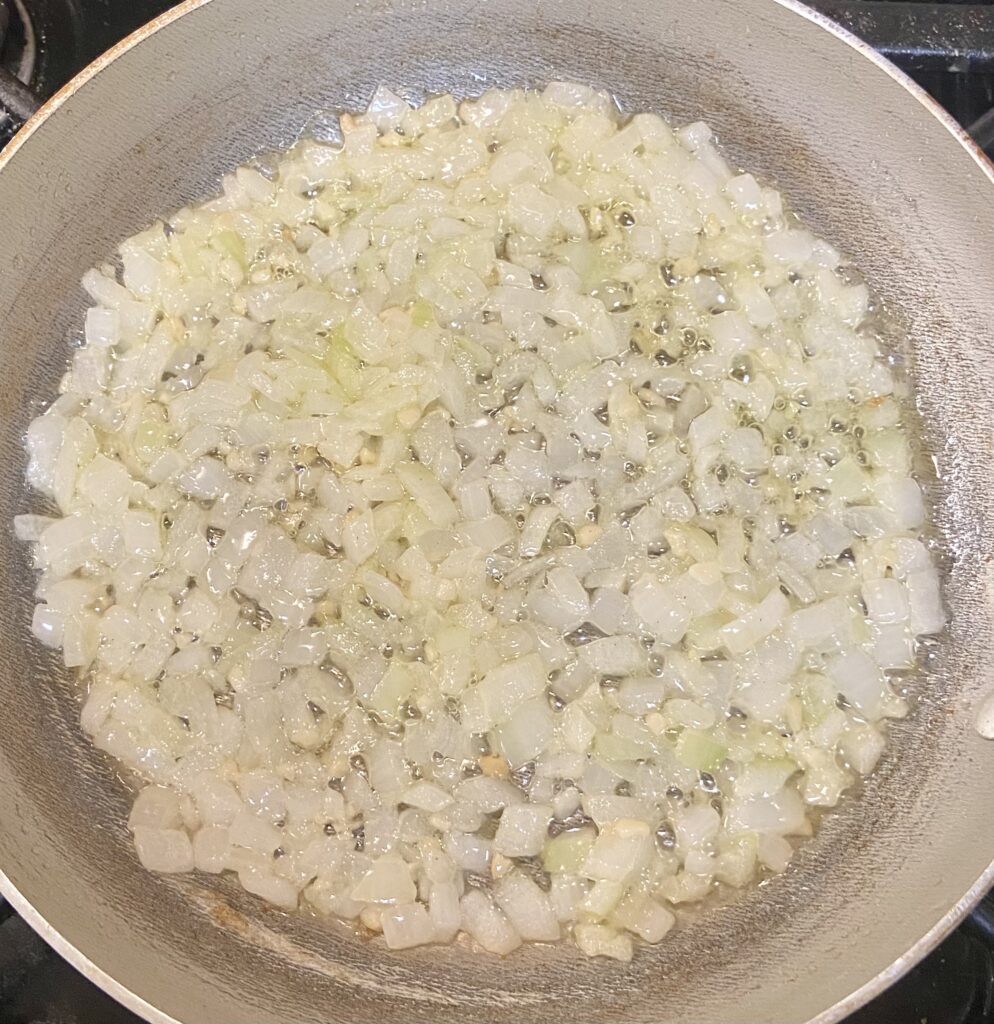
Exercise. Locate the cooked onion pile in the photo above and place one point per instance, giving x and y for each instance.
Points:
(499, 523)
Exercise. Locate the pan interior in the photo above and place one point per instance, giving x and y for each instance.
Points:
(868, 167)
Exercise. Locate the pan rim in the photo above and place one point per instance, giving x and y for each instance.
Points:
(843, 1007)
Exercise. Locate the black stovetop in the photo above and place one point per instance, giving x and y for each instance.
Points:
(947, 46)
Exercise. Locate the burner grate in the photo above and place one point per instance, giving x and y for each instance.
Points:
(947, 47)
(18, 42)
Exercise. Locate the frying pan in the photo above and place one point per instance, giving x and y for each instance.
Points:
(866, 159)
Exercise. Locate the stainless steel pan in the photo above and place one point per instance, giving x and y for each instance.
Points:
(871, 164)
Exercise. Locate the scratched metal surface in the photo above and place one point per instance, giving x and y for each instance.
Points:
(867, 164)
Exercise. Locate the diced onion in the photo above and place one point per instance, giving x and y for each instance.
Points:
(501, 522)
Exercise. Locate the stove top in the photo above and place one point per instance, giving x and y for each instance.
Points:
(948, 47)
